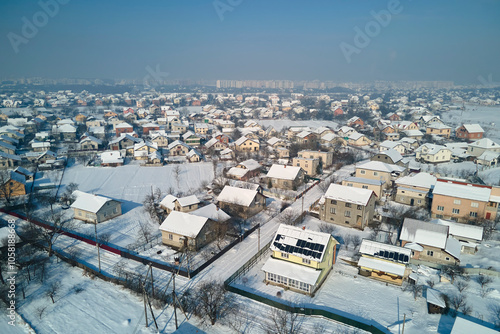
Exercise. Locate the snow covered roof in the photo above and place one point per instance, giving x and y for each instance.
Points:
(413, 133)
(488, 155)
(484, 143)
(393, 154)
(380, 166)
(461, 230)
(123, 126)
(168, 201)
(283, 172)
(211, 211)
(183, 223)
(365, 181)
(473, 128)
(303, 134)
(428, 148)
(243, 139)
(424, 180)
(177, 142)
(453, 247)
(237, 196)
(237, 172)
(434, 297)
(464, 326)
(291, 270)
(375, 248)
(188, 200)
(111, 157)
(303, 243)
(353, 195)
(381, 265)
(389, 144)
(462, 191)
(438, 125)
(89, 202)
(250, 164)
(424, 233)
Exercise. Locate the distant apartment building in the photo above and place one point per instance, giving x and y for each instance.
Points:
(326, 158)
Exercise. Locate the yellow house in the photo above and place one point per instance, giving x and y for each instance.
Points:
(14, 186)
(376, 186)
(246, 144)
(182, 204)
(301, 259)
(310, 166)
(94, 208)
(438, 129)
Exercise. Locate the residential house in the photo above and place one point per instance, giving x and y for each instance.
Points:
(94, 208)
(384, 262)
(159, 139)
(464, 202)
(90, 143)
(480, 146)
(469, 236)
(181, 230)
(358, 139)
(425, 120)
(310, 166)
(183, 204)
(415, 190)
(14, 186)
(438, 129)
(376, 170)
(67, 131)
(488, 158)
(9, 160)
(179, 127)
(201, 128)
(178, 148)
(191, 139)
(433, 153)
(111, 159)
(356, 122)
(123, 128)
(465, 326)
(414, 134)
(430, 243)
(123, 142)
(28, 176)
(377, 186)
(326, 158)
(469, 132)
(245, 170)
(148, 127)
(244, 144)
(347, 206)
(305, 137)
(244, 203)
(285, 177)
(392, 145)
(144, 149)
(391, 157)
(301, 259)
(194, 156)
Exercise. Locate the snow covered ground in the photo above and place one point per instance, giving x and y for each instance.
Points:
(279, 124)
(486, 116)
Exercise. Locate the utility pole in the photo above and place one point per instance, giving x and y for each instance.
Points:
(404, 319)
(259, 238)
(152, 283)
(175, 304)
(97, 244)
(145, 309)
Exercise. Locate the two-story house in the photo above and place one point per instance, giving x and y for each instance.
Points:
(347, 206)
(301, 259)
(469, 132)
(244, 203)
(94, 208)
(415, 189)
(285, 177)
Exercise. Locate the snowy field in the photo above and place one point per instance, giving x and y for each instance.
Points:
(130, 184)
(486, 116)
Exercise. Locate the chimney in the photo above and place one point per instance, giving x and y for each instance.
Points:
(284, 166)
(303, 227)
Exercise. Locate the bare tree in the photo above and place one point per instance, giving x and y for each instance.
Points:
(177, 175)
(461, 285)
(220, 229)
(414, 289)
(151, 205)
(495, 311)
(283, 322)
(53, 291)
(145, 233)
(484, 280)
(212, 301)
(356, 241)
(288, 216)
(458, 301)
(453, 271)
(40, 311)
(327, 228)
(347, 241)
(67, 196)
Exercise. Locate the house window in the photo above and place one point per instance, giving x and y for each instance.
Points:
(439, 216)
(347, 213)
(474, 204)
(364, 187)
(306, 261)
(440, 208)
(360, 207)
(375, 173)
(447, 258)
(419, 201)
(473, 214)
(333, 202)
(349, 184)
(332, 211)
(170, 237)
(430, 253)
(456, 211)
(362, 171)
(457, 201)
(284, 255)
(348, 205)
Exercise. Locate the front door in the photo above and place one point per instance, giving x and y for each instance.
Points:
(488, 215)
(412, 202)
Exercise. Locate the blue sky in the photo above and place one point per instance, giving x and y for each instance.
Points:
(296, 40)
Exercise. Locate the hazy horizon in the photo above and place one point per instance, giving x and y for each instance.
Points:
(252, 40)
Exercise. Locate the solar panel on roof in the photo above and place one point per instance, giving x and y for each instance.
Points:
(406, 258)
(401, 257)
(298, 243)
(391, 255)
(386, 254)
(317, 255)
(316, 246)
(287, 248)
(278, 237)
(321, 248)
